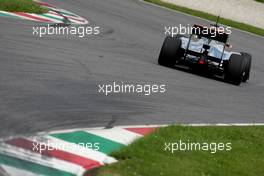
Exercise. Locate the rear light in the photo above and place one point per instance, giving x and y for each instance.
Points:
(201, 61)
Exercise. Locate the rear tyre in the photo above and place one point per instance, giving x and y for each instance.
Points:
(248, 59)
(236, 69)
(169, 51)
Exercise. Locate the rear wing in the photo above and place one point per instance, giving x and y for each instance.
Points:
(210, 32)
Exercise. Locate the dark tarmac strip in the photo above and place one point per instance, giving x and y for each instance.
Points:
(52, 82)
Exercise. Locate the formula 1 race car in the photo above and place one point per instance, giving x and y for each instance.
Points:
(206, 52)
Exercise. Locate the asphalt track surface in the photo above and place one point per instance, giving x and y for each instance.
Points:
(52, 82)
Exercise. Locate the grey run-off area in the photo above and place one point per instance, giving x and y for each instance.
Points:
(245, 11)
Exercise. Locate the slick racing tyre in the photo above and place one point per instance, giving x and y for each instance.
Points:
(248, 59)
(169, 51)
(236, 69)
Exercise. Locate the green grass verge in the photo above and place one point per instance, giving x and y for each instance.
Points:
(147, 157)
(260, 1)
(231, 23)
(28, 6)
